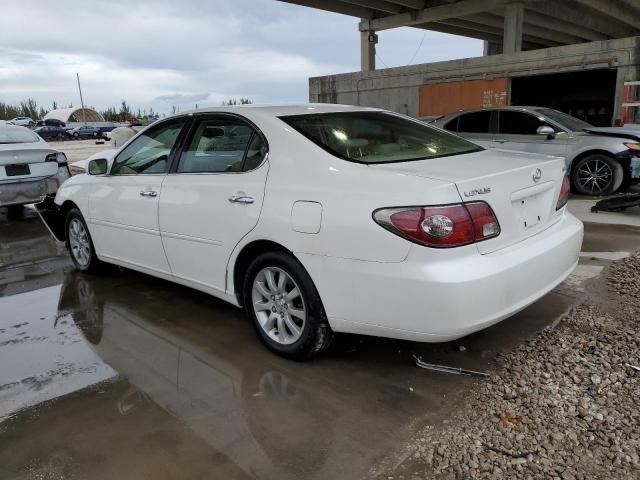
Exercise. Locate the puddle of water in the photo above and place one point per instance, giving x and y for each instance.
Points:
(41, 356)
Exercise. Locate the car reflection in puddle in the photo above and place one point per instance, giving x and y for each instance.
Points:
(43, 354)
(197, 359)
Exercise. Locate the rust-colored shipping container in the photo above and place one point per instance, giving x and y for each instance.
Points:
(443, 98)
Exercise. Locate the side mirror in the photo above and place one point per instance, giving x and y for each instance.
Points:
(99, 166)
(547, 131)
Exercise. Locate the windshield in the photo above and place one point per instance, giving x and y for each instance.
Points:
(377, 137)
(11, 134)
(564, 119)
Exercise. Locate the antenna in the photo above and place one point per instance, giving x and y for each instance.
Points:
(84, 113)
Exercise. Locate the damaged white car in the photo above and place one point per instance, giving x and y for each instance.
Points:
(29, 168)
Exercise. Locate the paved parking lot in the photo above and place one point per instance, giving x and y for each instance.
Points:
(123, 375)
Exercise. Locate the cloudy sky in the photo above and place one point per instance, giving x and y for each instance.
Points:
(166, 52)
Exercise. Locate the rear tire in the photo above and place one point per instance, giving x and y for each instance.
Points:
(285, 308)
(597, 174)
(80, 244)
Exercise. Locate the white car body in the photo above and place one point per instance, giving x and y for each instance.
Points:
(319, 208)
(25, 174)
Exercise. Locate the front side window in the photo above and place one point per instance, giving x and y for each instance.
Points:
(566, 120)
(222, 145)
(520, 123)
(474, 122)
(377, 137)
(149, 152)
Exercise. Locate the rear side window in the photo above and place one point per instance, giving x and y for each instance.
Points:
(222, 145)
(452, 125)
(377, 137)
(474, 122)
(520, 123)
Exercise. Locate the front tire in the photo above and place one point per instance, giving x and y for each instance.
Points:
(597, 174)
(285, 308)
(80, 244)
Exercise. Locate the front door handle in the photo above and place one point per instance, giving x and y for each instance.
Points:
(148, 193)
(241, 199)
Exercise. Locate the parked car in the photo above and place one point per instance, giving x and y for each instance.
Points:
(85, 131)
(105, 131)
(52, 133)
(599, 159)
(51, 122)
(23, 121)
(326, 218)
(29, 168)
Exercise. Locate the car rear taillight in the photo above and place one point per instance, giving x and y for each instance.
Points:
(565, 189)
(60, 158)
(442, 226)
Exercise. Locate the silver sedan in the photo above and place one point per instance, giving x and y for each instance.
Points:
(601, 160)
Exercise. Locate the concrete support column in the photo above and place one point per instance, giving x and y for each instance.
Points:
(368, 40)
(513, 21)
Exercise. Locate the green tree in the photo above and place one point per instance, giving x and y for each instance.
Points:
(125, 112)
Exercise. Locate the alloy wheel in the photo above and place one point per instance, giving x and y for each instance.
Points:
(79, 242)
(278, 305)
(595, 176)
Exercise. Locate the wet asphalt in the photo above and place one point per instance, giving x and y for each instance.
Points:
(125, 376)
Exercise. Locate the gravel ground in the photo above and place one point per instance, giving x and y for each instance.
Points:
(563, 405)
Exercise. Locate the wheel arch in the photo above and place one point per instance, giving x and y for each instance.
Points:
(592, 151)
(244, 258)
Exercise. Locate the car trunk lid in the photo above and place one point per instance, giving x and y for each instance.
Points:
(521, 188)
(13, 153)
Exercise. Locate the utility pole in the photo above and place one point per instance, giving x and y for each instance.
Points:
(84, 114)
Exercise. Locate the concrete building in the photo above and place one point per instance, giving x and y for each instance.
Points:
(579, 56)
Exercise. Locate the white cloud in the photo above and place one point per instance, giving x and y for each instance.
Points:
(158, 53)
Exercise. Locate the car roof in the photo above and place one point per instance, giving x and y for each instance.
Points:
(284, 109)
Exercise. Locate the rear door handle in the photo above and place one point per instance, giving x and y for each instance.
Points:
(241, 199)
(148, 193)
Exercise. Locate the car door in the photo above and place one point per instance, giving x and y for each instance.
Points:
(517, 130)
(212, 197)
(475, 126)
(123, 209)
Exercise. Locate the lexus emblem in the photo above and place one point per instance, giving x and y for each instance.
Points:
(537, 175)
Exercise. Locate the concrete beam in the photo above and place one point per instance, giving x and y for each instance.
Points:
(367, 51)
(615, 10)
(498, 31)
(415, 4)
(555, 37)
(532, 18)
(379, 5)
(570, 14)
(335, 6)
(513, 27)
(433, 14)
(474, 33)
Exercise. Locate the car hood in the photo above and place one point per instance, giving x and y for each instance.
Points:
(620, 132)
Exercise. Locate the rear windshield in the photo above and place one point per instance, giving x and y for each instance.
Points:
(10, 134)
(377, 137)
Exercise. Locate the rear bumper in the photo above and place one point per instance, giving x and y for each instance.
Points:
(447, 296)
(31, 190)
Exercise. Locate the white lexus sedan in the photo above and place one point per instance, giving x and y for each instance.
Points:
(326, 218)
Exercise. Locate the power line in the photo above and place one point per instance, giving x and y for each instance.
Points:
(418, 49)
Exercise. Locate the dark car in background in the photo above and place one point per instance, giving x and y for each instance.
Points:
(51, 122)
(85, 131)
(49, 132)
